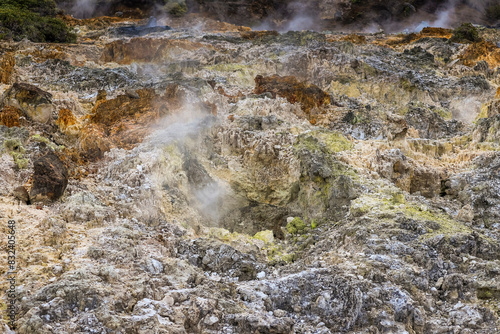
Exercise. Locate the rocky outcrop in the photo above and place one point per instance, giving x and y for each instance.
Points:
(478, 189)
(408, 174)
(50, 178)
(35, 103)
(487, 129)
(430, 125)
(220, 258)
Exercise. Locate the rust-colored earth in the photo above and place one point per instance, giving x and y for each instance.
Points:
(401, 39)
(295, 91)
(125, 120)
(7, 63)
(483, 50)
(9, 116)
(145, 49)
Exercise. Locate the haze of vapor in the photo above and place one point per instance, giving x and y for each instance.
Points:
(83, 8)
(183, 129)
(299, 16)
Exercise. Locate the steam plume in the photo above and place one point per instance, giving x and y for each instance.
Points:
(84, 8)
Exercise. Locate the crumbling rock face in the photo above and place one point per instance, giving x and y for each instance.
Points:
(84, 207)
(493, 108)
(147, 50)
(261, 324)
(256, 217)
(50, 178)
(487, 129)
(80, 79)
(75, 292)
(407, 174)
(395, 166)
(124, 121)
(479, 189)
(220, 258)
(336, 300)
(432, 126)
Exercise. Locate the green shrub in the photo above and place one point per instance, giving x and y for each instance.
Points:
(175, 7)
(466, 33)
(42, 7)
(33, 20)
(493, 12)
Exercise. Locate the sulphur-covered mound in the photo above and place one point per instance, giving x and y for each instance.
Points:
(208, 179)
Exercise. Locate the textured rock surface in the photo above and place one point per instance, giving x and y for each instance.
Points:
(353, 187)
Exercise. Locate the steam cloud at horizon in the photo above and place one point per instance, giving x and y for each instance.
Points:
(449, 14)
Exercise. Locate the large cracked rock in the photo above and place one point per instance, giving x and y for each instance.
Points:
(50, 178)
(33, 101)
(220, 258)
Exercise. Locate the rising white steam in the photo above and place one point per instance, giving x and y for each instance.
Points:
(184, 129)
(83, 8)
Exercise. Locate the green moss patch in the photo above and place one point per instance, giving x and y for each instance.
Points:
(15, 148)
(389, 201)
(266, 236)
(296, 226)
(324, 141)
(46, 141)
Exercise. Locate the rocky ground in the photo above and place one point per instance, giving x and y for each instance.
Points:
(213, 179)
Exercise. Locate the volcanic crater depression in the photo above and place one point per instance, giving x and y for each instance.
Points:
(195, 176)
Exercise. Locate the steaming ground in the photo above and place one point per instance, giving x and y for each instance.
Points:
(223, 180)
